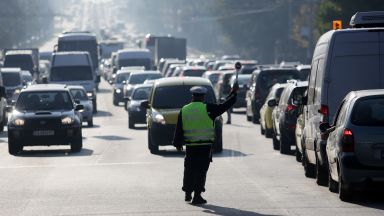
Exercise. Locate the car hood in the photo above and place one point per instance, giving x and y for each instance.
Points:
(170, 115)
(42, 114)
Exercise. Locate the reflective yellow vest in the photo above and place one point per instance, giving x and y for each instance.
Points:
(198, 127)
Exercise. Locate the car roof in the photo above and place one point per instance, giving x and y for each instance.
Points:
(145, 72)
(370, 92)
(46, 87)
(176, 81)
(10, 70)
(194, 68)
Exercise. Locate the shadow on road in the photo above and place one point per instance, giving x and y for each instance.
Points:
(101, 113)
(225, 211)
(224, 153)
(55, 153)
(112, 137)
(104, 90)
(371, 199)
(140, 128)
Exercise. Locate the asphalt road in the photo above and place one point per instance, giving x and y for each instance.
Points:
(116, 175)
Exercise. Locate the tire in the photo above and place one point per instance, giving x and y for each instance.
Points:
(94, 104)
(152, 148)
(345, 193)
(90, 123)
(115, 102)
(13, 147)
(268, 133)
(131, 124)
(285, 147)
(298, 155)
(262, 130)
(249, 118)
(333, 185)
(309, 169)
(321, 174)
(255, 120)
(275, 142)
(77, 142)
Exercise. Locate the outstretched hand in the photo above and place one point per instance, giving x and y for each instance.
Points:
(235, 87)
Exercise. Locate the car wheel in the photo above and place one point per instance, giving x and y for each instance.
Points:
(218, 145)
(249, 118)
(333, 185)
(345, 193)
(262, 130)
(115, 102)
(275, 142)
(285, 146)
(152, 148)
(309, 169)
(77, 142)
(131, 124)
(90, 123)
(268, 133)
(298, 154)
(94, 104)
(255, 120)
(14, 147)
(321, 174)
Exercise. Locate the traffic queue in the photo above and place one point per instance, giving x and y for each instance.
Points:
(330, 111)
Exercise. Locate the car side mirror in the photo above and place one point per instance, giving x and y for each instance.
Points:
(8, 108)
(145, 104)
(324, 126)
(79, 107)
(77, 101)
(98, 79)
(222, 100)
(55, 48)
(2, 91)
(124, 82)
(272, 103)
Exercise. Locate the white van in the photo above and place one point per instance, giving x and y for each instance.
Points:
(344, 60)
(134, 57)
(74, 68)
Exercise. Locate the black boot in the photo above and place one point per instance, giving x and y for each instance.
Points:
(198, 199)
(188, 196)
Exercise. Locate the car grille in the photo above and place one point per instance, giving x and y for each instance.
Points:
(43, 123)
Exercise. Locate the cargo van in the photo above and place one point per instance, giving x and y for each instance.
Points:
(74, 68)
(344, 60)
(134, 57)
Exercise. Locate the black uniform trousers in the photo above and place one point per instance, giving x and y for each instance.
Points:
(196, 164)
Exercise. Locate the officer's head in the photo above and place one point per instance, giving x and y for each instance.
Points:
(198, 93)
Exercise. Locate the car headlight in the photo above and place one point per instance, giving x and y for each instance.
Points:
(67, 120)
(19, 122)
(17, 91)
(118, 91)
(90, 94)
(158, 118)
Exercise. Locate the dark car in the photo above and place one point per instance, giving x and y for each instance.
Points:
(45, 114)
(136, 114)
(118, 85)
(262, 80)
(285, 115)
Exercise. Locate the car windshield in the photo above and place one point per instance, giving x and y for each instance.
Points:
(369, 112)
(193, 72)
(24, 62)
(71, 73)
(146, 62)
(242, 79)
(268, 79)
(171, 97)
(214, 78)
(11, 79)
(79, 94)
(140, 78)
(44, 101)
(120, 78)
(141, 93)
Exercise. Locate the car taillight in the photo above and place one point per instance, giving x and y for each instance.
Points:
(324, 110)
(291, 107)
(347, 143)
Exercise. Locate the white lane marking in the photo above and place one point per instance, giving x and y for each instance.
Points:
(74, 165)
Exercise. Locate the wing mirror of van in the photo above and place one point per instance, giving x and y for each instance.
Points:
(145, 104)
(79, 107)
(2, 91)
(77, 101)
(272, 103)
(324, 126)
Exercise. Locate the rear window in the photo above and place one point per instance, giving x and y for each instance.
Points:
(11, 79)
(146, 62)
(193, 73)
(270, 78)
(141, 93)
(71, 73)
(122, 77)
(369, 112)
(79, 94)
(171, 97)
(25, 62)
(142, 77)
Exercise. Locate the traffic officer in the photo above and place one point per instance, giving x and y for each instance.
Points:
(195, 128)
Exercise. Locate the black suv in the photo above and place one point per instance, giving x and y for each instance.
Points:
(45, 114)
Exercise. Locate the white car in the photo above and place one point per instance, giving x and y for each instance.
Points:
(80, 96)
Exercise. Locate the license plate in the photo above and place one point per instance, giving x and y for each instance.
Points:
(44, 133)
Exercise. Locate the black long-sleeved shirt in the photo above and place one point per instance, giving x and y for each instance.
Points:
(214, 110)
